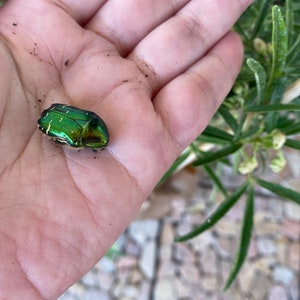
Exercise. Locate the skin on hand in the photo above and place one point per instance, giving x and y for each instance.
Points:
(155, 71)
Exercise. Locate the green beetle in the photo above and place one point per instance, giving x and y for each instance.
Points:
(74, 127)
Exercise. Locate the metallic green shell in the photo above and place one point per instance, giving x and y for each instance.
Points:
(74, 127)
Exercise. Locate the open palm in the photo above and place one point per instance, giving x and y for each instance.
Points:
(155, 71)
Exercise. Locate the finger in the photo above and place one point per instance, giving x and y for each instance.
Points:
(125, 23)
(81, 11)
(183, 39)
(188, 102)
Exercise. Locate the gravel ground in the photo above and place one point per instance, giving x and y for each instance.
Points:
(151, 266)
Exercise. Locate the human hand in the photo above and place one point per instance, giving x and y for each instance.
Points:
(155, 71)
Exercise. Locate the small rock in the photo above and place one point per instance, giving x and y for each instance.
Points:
(165, 253)
(167, 235)
(224, 247)
(90, 279)
(183, 290)
(132, 249)
(292, 211)
(190, 273)
(106, 264)
(227, 228)
(246, 276)
(105, 280)
(136, 233)
(266, 246)
(294, 256)
(96, 295)
(208, 262)
(210, 283)
(164, 290)
(166, 268)
(260, 286)
(283, 275)
(136, 277)
(126, 262)
(267, 228)
(131, 292)
(290, 229)
(252, 250)
(282, 244)
(181, 252)
(150, 227)
(294, 290)
(147, 261)
(265, 264)
(277, 293)
(202, 242)
(140, 231)
(275, 206)
(293, 162)
(145, 290)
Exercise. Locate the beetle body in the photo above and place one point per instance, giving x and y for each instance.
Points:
(74, 127)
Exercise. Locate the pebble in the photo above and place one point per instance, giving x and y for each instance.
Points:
(265, 246)
(227, 228)
(181, 253)
(292, 211)
(140, 231)
(106, 264)
(290, 229)
(165, 290)
(283, 275)
(148, 259)
(277, 293)
(167, 234)
(275, 207)
(145, 290)
(105, 281)
(265, 264)
(260, 286)
(95, 294)
(210, 283)
(208, 262)
(267, 228)
(294, 256)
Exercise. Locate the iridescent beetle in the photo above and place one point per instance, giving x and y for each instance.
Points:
(74, 127)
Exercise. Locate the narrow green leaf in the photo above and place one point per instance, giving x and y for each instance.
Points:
(174, 166)
(262, 14)
(293, 51)
(260, 77)
(276, 97)
(215, 179)
(292, 144)
(218, 133)
(252, 130)
(279, 50)
(292, 129)
(240, 126)
(221, 210)
(245, 238)
(279, 44)
(209, 157)
(228, 117)
(289, 17)
(280, 190)
(211, 140)
(240, 30)
(274, 108)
